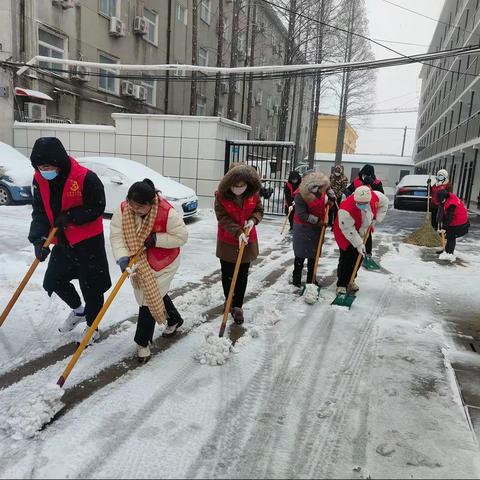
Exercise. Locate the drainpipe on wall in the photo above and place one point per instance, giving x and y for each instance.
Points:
(169, 34)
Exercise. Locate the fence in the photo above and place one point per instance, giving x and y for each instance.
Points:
(273, 162)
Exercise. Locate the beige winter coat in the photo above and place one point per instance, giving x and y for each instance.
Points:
(175, 236)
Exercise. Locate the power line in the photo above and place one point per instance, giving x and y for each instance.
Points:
(358, 35)
(401, 43)
(426, 16)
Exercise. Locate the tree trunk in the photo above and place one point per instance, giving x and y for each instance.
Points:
(193, 88)
(292, 114)
(342, 120)
(250, 27)
(289, 47)
(220, 31)
(252, 63)
(233, 59)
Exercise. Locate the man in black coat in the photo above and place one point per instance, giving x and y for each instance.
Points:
(70, 197)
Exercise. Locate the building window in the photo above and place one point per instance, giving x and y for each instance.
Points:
(151, 86)
(201, 106)
(203, 57)
(181, 14)
(51, 45)
(152, 21)
(108, 81)
(108, 8)
(205, 11)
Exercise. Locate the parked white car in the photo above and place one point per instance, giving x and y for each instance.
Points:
(16, 175)
(118, 174)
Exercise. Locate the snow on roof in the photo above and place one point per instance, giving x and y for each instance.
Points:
(364, 158)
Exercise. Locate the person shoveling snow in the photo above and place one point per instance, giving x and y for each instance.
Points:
(357, 214)
(25, 418)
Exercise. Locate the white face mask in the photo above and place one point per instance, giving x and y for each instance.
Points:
(238, 190)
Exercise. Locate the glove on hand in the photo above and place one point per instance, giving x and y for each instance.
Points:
(242, 238)
(331, 194)
(249, 225)
(151, 241)
(41, 252)
(362, 250)
(123, 263)
(62, 220)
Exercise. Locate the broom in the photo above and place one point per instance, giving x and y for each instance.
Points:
(425, 236)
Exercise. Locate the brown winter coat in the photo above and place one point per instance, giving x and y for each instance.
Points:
(236, 174)
(339, 183)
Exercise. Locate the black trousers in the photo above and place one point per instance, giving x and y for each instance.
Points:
(298, 269)
(146, 322)
(452, 233)
(290, 218)
(434, 211)
(241, 285)
(369, 244)
(346, 264)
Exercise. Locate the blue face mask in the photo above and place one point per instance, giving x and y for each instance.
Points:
(362, 206)
(48, 174)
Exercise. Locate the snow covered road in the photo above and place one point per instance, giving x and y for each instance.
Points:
(311, 391)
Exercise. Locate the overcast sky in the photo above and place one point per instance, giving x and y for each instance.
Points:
(397, 87)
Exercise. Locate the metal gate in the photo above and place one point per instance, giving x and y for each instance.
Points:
(273, 162)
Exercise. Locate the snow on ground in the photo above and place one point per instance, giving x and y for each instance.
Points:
(306, 390)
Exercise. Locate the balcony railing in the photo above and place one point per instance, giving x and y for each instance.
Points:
(464, 132)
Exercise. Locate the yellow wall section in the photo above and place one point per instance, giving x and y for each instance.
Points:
(327, 135)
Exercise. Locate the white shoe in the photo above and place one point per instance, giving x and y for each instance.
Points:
(76, 316)
(143, 353)
(341, 291)
(95, 337)
(353, 287)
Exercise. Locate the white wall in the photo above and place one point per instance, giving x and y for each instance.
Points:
(190, 150)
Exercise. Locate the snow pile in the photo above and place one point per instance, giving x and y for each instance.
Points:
(310, 295)
(215, 350)
(23, 419)
(447, 256)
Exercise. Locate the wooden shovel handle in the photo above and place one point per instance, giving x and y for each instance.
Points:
(26, 278)
(94, 326)
(320, 244)
(290, 208)
(228, 304)
(359, 258)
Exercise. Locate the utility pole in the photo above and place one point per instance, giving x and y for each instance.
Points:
(342, 118)
(167, 74)
(404, 137)
(193, 89)
(233, 59)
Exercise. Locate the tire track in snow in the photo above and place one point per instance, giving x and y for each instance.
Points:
(320, 440)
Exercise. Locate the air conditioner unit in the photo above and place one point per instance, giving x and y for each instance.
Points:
(80, 73)
(35, 112)
(140, 26)
(127, 89)
(117, 27)
(140, 93)
(224, 88)
(64, 3)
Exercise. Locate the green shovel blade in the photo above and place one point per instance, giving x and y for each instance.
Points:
(344, 300)
(370, 264)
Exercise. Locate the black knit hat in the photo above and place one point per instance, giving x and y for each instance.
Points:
(50, 151)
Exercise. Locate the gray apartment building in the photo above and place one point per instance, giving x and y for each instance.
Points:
(448, 127)
(137, 32)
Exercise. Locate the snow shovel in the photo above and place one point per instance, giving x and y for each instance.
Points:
(311, 286)
(290, 208)
(93, 327)
(228, 303)
(369, 263)
(26, 278)
(346, 299)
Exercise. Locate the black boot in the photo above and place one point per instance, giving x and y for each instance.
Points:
(297, 271)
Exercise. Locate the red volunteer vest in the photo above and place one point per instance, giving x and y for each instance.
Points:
(435, 190)
(358, 183)
(239, 214)
(157, 257)
(349, 205)
(72, 197)
(292, 193)
(315, 207)
(460, 216)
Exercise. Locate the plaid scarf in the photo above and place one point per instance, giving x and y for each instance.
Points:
(144, 278)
